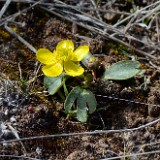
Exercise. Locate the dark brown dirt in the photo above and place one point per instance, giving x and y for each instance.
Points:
(31, 112)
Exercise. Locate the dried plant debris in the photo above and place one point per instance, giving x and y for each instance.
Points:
(127, 117)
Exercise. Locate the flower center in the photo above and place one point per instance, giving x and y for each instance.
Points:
(64, 55)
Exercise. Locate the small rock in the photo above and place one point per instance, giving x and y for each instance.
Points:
(13, 119)
(39, 151)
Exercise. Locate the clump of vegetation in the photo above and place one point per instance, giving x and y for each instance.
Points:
(64, 64)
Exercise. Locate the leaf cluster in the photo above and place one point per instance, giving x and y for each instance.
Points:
(80, 102)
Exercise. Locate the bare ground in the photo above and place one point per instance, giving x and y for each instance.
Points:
(28, 111)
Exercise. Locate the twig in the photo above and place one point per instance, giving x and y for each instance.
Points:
(154, 65)
(13, 156)
(84, 8)
(138, 12)
(150, 12)
(103, 11)
(100, 31)
(20, 1)
(4, 20)
(4, 8)
(85, 18)
(17, 136)
(134, 48)
(146, 144)
(84, 133)
(131, 155)
(95, 7)
(157, 28)
(127, 100)
(93, 24)
(20, 72)
(20, 38)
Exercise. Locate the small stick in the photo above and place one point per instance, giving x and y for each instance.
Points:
(97, 12)
(4, 8)
(157, 27)
(136, 13)
(150, 12)
(127, 100)
(84, 17)
(4, 20)
(85, 133)
(23, 157)
(134, 154)
(20, 38)
(17, 136)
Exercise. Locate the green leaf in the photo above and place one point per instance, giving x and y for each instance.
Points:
(91, 101)
(71, 98)
(53, 84)
(122, 70)
(81, 109)
(84, 102)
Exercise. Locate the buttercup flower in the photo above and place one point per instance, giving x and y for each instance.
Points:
(63, 58)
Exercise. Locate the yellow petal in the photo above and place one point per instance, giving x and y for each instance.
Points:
(73, 69)
(45, 56)
(52, 70)
(64, 47)
(80, 53)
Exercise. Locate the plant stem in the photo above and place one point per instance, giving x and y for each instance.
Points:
(64, 87)
(61, 95)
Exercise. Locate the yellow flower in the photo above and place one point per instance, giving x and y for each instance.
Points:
(63, 58)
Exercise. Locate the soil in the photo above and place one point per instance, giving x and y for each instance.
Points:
(28, 111)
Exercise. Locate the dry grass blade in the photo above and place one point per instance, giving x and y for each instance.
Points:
(102, 10)
(20, 1)
(72, 14)
(19, 157)
(17, 136)
(93, 24)
(129, 101)
(11, 17)
(84, 133)
(32, 121)
(148, 144)
(20, 38)
(150, 12)
(133, 155)
(96, 11)
(137, 13)
(4, 8)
